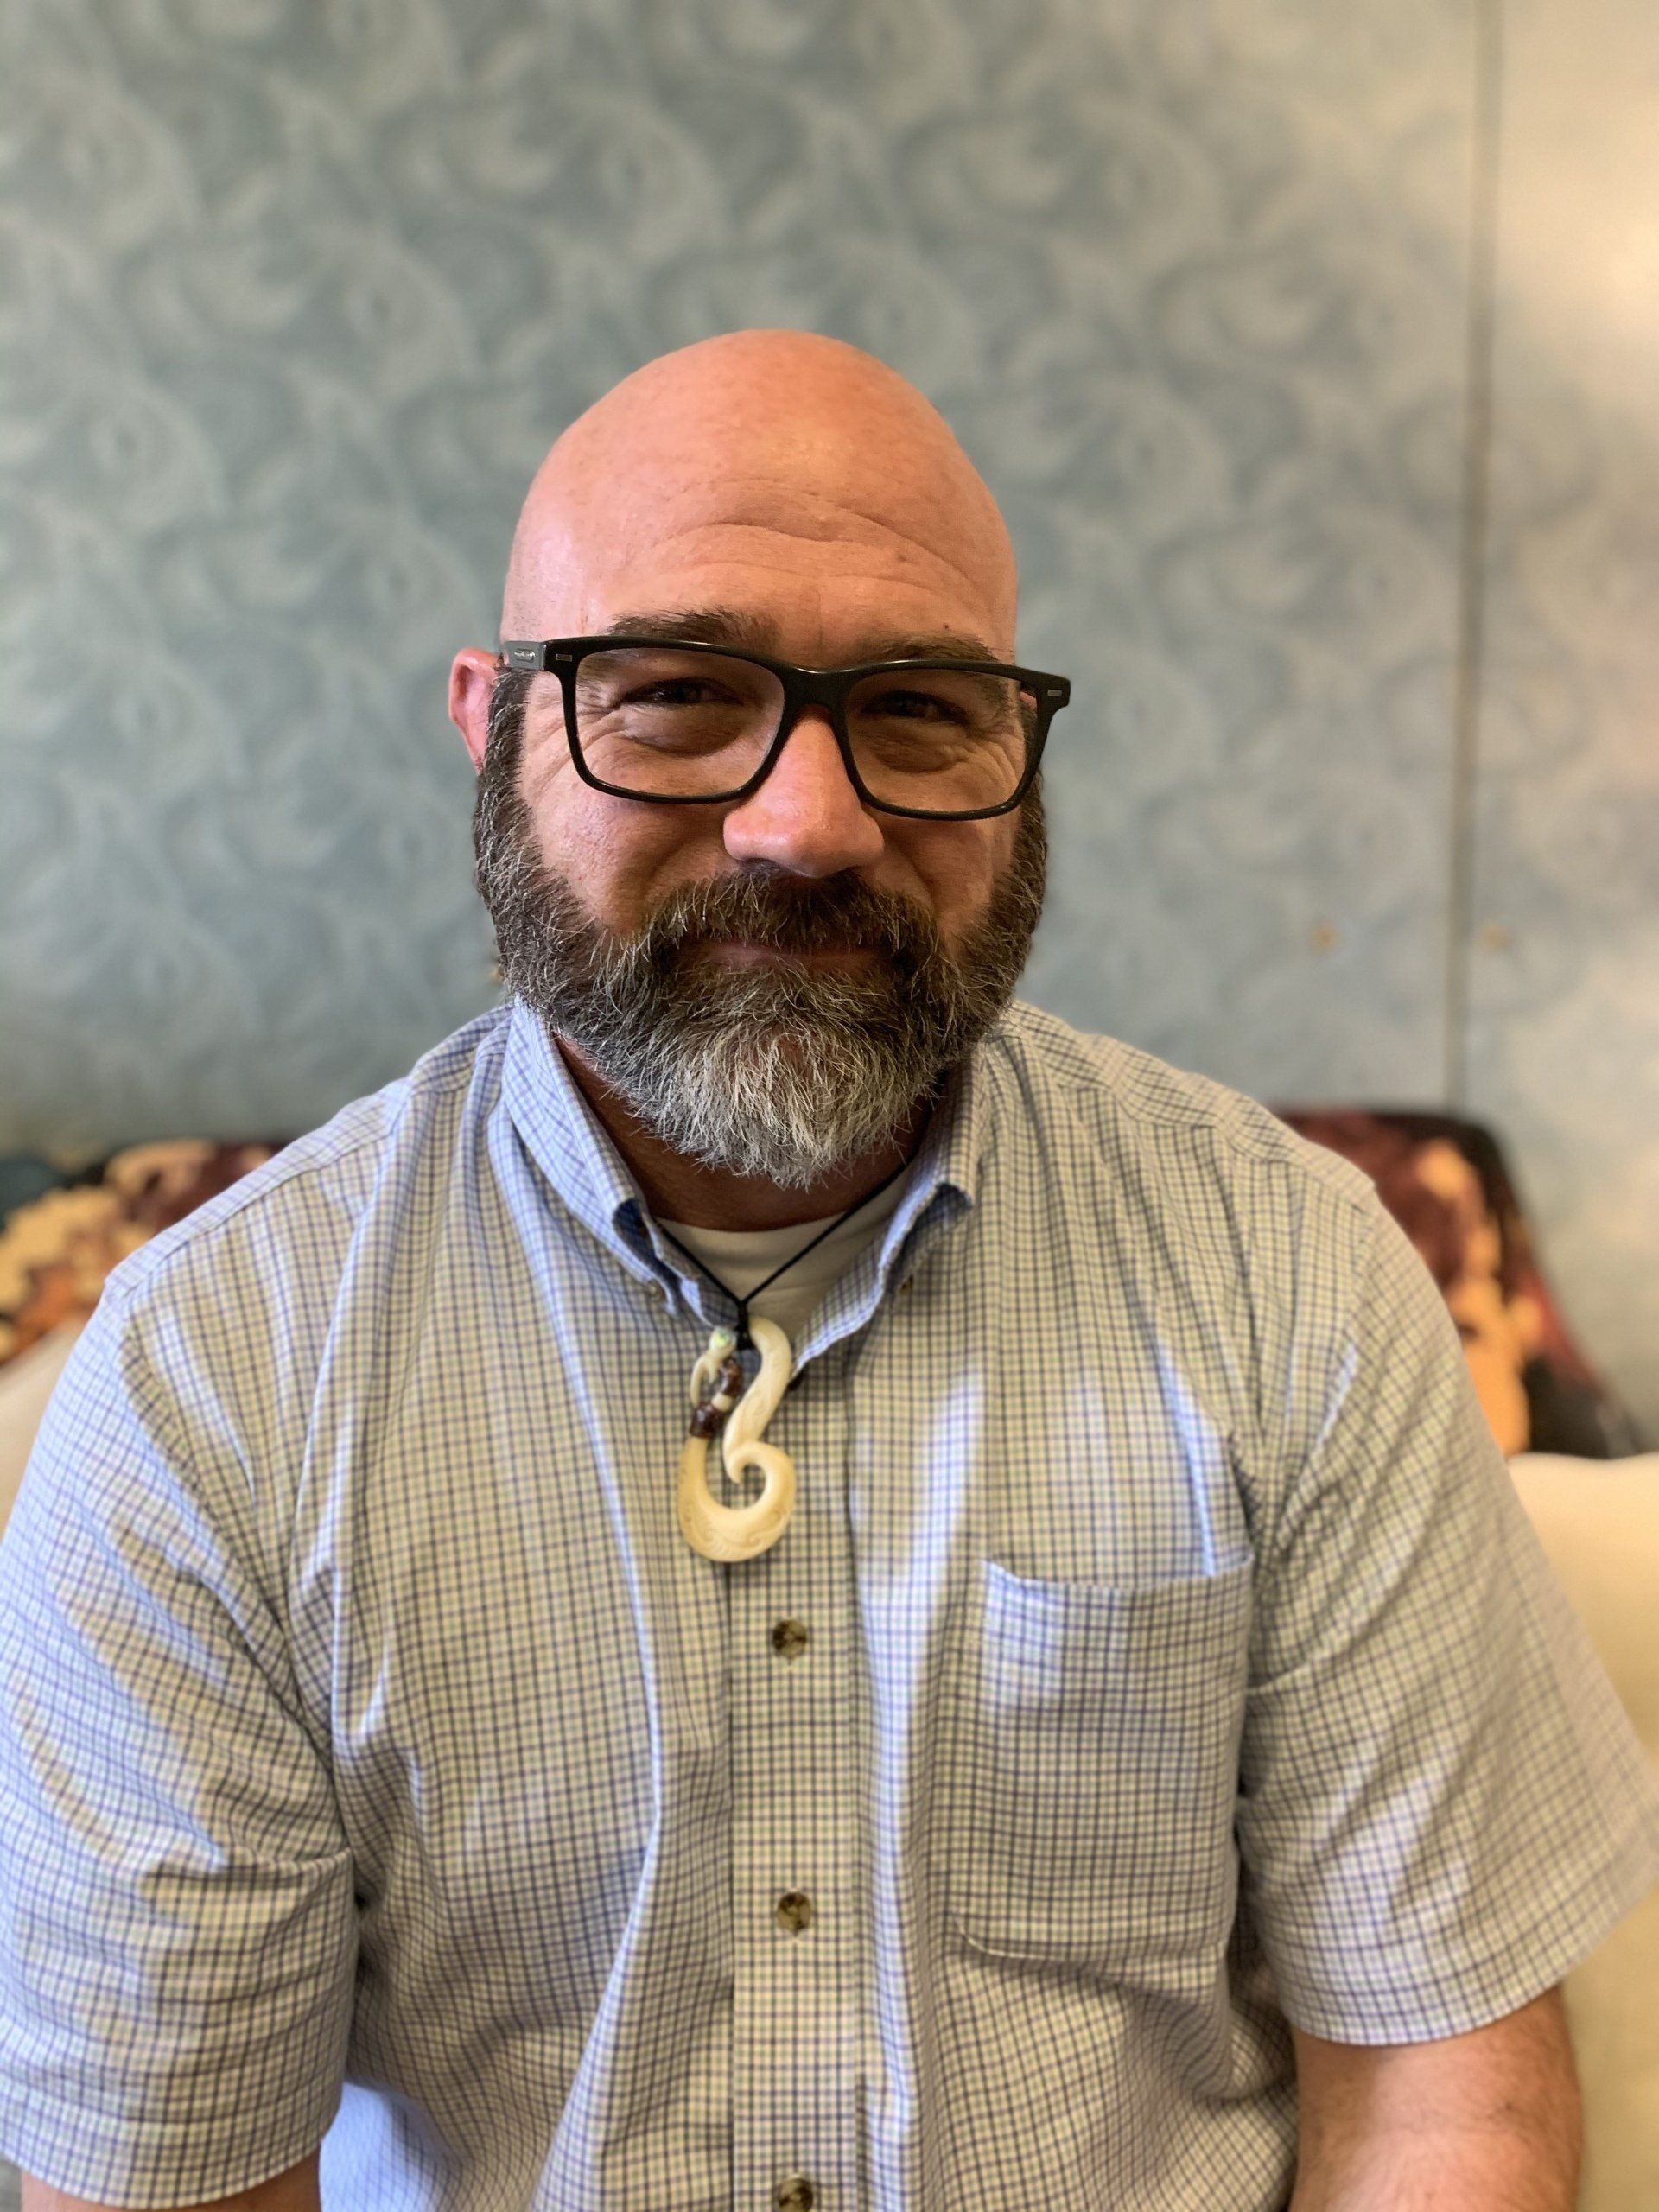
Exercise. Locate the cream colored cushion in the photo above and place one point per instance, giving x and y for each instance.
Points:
(1598, 1524)
(25, 1383)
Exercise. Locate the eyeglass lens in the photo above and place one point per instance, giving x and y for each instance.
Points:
(660, 723)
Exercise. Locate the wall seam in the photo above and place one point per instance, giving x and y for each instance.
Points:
(1474, 523)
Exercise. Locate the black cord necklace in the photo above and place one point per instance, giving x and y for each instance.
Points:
(744, 1341)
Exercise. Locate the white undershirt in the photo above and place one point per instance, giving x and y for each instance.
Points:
(743, 1257)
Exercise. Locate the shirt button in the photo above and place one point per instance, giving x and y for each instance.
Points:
(789, 1638)
(908, 1284)
(794, 1911)
(794, 2194)
(655, 1293)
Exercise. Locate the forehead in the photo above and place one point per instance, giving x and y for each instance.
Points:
(825, 575)
(855, 510)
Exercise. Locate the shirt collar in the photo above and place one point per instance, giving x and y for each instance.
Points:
(575, 1153)
(569, 1143)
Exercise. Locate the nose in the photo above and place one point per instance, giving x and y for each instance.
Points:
(806, 817)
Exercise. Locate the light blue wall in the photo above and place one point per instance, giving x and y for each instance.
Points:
(1357, 797)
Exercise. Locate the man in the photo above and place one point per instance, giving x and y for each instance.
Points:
(1136, 1758)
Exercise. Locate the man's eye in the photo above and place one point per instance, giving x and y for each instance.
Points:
(680, 691)
(919, 706)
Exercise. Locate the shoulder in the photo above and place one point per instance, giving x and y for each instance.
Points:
(188, 1400)
(1125, 1105)
(1245, 1248)
(281, 1233)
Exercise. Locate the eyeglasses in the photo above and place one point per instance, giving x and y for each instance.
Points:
(687, 724)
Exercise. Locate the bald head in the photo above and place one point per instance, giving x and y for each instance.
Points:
(762, 465)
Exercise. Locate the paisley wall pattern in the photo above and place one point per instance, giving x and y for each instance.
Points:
(295, 293)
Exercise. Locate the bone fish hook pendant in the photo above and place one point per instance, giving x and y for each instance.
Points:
(737, 1417)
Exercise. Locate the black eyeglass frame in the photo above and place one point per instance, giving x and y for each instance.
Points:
(803, 687)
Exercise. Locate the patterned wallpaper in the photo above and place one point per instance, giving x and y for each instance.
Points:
(295, 293)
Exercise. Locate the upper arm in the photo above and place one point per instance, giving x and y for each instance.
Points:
(296, 2190)
(1442, 1805)
(178, 1926)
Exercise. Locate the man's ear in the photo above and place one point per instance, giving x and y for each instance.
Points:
(472, 679)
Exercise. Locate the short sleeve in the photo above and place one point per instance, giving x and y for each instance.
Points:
(177, 1913)
(1442, 1804)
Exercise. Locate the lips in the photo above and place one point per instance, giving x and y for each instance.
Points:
(741, 948)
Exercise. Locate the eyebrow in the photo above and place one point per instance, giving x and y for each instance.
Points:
(730, 625)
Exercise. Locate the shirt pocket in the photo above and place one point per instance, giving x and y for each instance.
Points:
(1091, 1767)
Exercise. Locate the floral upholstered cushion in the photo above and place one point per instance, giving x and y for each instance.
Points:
(59, 1244)
(1445, 1182)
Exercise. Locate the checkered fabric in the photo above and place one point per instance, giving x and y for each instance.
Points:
(1157, 1654)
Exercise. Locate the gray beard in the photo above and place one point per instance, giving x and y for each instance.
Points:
(782, 1072)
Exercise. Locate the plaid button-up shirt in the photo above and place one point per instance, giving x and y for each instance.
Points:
(1157, 1653)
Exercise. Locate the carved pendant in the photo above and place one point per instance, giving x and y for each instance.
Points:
(739, 1418)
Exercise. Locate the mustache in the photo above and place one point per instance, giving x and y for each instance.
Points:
(767, 906)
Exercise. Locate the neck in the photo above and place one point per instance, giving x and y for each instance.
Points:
(678, 1189)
